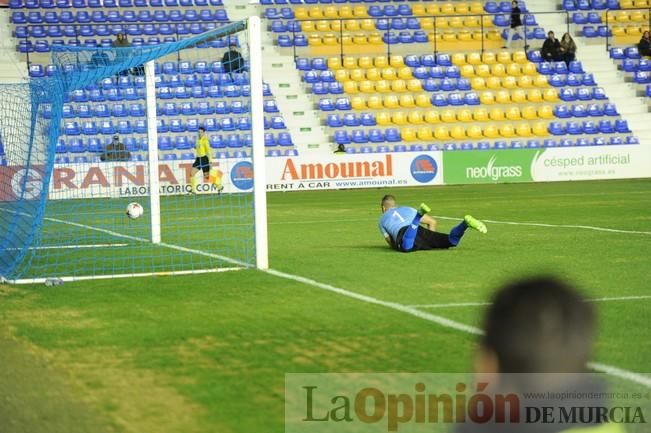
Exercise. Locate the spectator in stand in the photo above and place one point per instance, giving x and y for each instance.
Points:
(120, 43)
(341, 148)
(551, 49)
(568, 49)
(516, 25)
(115, 151)
(232, 60)
(644, 46)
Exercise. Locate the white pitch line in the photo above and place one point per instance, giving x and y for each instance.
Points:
(481, 304)
(70, 247)
(447, 323)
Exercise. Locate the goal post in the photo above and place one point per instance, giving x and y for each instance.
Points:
(120, 125)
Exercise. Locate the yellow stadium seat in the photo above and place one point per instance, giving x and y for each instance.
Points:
(540, 129)
(464, 115)
(334, 63)
(408, 134)
(509, 82)
(315, 12)
(373, 74)
(441, 23)
(503, 97)
(546, 112)
(300, 13)
(314, 40)
(366, 86)
(534, 95)
(407, 101)
(374, 102)
(504, 57)
(383, 118)
(471, 22)
(423, 100)
(447, 9)
(458, 132)
(350, 62)
(477, 35)
(350, 87)
(415, 117)
(357, 74)
(427, 23)
(360, 12)
(414, 85)
(513, 113)
(424, 133)
(474, 132)
(483, 71)
(633, 31)
(404, 73)
(550, 95)
(618, 30)
(473, 59)
(432, 116)
(487, 21)
(399, 118)
(467, 71)
(464, 35)
(488, 58)
(382, 86)
(529, 68)
(461, 8)
(341, 75)
(514, 69)
(490, 131)
(389, 73)
(478, 83)
(525, 82)
(640, 3)
(477, 8)
(494, 35)
(493, 83)
(507, 130)
(441, 133)
(367, 25)
(380, 62)
(396, 61)
(398, 86)
(358, 103)
(480, 115)
(523, 130)
(449, 36)
(391, 101)
(487, 98)
(622, 16)
(455, 22)
(626, 4)
(519, 96)
(448, 116)
(308, 26)
(364, 62)
(498, 70)
(496, 114)
(335, 26)
(520, 57)
(432, 9)
(352, 25)
(346, 39)
(458, 59)
(330, 12)
(375, 39)
(345, 12)
(529, 112)
(360, 39)
(431, 36)
(419, 10)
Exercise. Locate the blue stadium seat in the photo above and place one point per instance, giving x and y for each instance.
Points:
(140, 126)
(556, 128)
(621, 126)
(589, 127)
(124, 127)
(343, 104)
(341, 137)
(574, 128)
(598, 93)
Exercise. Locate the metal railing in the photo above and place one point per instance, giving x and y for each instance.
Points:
(608, 36)
(435, 30)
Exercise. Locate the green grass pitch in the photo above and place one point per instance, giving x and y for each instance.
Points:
(208, 353)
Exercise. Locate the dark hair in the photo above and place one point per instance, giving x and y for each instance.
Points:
(387, 198)
(201, 128)
(539, 325)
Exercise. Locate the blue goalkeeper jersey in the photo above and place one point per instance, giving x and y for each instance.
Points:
(394, 219)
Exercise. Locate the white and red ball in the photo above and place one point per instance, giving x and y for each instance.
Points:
(134, 210)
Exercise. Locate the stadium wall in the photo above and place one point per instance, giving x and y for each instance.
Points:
(348, 171)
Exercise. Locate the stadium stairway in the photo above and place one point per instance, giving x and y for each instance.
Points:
(11, 68)
(592, 53)
(294, 102)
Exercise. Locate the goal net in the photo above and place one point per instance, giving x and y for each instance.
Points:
(112, 126)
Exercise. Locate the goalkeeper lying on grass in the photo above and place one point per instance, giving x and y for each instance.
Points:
(402, 229)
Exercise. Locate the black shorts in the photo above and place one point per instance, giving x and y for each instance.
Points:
(203, 164)
(425, 240)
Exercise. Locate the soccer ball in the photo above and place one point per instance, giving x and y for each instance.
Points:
(134, 210)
